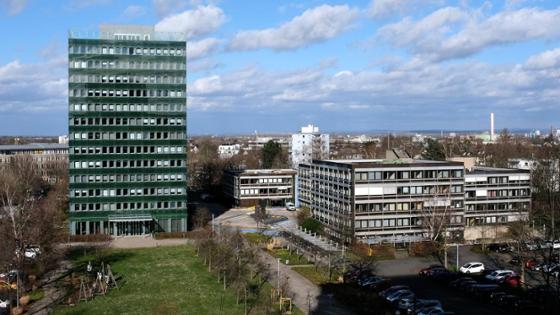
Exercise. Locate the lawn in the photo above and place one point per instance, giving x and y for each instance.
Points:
(317, 276)
(292, 258)
(164, 280)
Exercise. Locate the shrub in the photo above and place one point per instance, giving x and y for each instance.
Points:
(90, 238)
(312, 225)
(423, 249)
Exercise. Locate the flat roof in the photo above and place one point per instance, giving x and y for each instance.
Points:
(481, 170)
(262, 172)
(372, 163)
(33, 146)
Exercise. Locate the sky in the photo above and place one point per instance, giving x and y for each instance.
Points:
(273, 66)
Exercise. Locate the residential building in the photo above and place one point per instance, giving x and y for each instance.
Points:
(250, 187)
(226, 151)
(127, 131)
(309, 145)
(49, 158)
(383, 200)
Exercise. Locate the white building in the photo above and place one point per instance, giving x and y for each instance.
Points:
(309, 145)
(228, 150)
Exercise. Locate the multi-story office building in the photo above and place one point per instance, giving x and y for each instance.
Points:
(49, 158)
(127, 131)
(496, 195)
(403, 200)
(384, 200)
(250, 187)
(309, 145)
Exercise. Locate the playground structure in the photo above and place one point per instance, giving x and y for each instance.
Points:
(96, 283)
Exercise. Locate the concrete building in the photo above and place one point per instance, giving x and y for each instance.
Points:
(383, 200)
(249, 187)
(226, 151)
(309, 145)
(48, 157)
(127, 131)
(400, 200)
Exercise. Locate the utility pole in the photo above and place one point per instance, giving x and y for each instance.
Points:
(457, 255)
(278, 275)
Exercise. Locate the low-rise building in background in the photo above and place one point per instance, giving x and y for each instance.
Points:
(250, 187)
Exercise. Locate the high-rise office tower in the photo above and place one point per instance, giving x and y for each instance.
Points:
(127, 130)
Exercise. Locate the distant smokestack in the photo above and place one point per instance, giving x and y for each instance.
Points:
(491, 126)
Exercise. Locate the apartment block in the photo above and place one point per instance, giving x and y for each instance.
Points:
(383, 200)
(127, 131)
(309, 145)
(250, 187)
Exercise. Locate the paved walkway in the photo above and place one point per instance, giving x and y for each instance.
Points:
(135, 242)
(52, 293)
(307, 296)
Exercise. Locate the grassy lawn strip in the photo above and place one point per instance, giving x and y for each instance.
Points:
(292, 259)
(318, 277)
(164, 280)
(256, 238)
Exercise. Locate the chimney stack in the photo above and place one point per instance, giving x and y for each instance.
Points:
(492, 127)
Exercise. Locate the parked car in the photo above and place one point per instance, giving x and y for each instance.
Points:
(432, 311)
(32, 252)
(532, 246)
(445, 277)
(483, 291)
(457, 283)
(430, 270)
(419, 305)
(367, 280)
(556, 244)
(401, 294)
(499, 248)
(531, 264)
(472, 267)
(290, 206)
(385, 293)
(512, 281)
(465, 285)
(498, 275)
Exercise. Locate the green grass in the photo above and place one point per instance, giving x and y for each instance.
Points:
(164, 280)
(256, 238)
(318, 277)
(292, 258)
(36, 295)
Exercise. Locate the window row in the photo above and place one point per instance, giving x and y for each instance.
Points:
(126, 121)
(127, 178)
(426, 190)
(396, 175)
(119, 192)
(378, 207)
(486, 220)
(126, 65)
(498, 206)
(128, 164)
(125, 93)
(382, 223)
(127, 206)
(127, 107)
(153, 79)
(127, 150)
(246, 181)
(125, 50)
(265, 191)
(127, 135)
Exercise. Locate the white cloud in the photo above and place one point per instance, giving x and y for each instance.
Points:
(384, 8)
(313, 25)
(33, 87)
(202, 48)
(134, 11)
(199, 21)
(166, 7)
(450, 32)
(14, 7)
(547, 59)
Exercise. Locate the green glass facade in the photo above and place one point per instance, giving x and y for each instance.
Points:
(127, 132)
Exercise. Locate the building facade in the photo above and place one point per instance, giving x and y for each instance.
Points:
(382, 200)
(309, 145)
(247, 188)
(226, 151)
(404, 200)
(127, 131)
(50, 158)
(496, 195)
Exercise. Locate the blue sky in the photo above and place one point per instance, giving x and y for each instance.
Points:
(273, 66)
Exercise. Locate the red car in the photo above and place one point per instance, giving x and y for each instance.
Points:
(431, 270)
(531, 264)
(511, 281)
